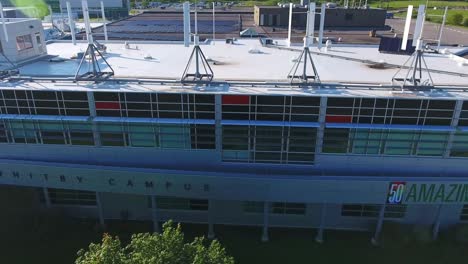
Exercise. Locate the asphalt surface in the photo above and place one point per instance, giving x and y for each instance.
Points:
(450, 36)
(168, 26)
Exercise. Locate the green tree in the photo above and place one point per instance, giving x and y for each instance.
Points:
(456, 19)
(465, 22)
(108, 252)
(145, 3)
(169, 247)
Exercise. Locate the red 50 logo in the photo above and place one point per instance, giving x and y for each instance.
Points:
(395, 192)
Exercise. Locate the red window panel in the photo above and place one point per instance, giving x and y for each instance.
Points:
(338, 119)
(107, 106)
(236, 99)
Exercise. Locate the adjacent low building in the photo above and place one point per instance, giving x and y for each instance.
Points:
(277, 16)
(24, 40)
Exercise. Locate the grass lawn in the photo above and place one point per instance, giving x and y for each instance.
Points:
(439, 12)
(405, 4)
(285, 246)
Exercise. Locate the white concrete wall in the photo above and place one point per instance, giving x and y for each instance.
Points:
(94, 3)
(20, 27)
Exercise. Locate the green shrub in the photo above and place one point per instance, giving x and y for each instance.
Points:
(395, 233)
(401, 234)
(465, 22)
(460, 232)
(456, 19)
(422, 234)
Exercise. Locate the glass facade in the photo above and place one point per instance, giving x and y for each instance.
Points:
(176, 203)
(109, 133)
(373, 210)
(269, 144)
(384, 142)
(390, 111)
(252, 128)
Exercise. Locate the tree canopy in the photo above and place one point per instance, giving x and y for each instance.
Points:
(169, 247)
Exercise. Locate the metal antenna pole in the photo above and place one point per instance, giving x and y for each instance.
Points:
(3, 23)
(96, 74)
(442, 28)
(197, 66)
(104, 24)
(71, 23)
(214, 28)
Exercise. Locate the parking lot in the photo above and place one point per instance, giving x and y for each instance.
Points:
(167, 24)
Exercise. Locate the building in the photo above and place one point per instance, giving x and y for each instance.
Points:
(24, 40)
(353, 151)
(114, 9)
(334, 17)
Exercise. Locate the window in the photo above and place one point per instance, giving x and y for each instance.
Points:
(174, 136)
(335, 140)
(52, 133)
(71, 197)
(38, 39)
(390, 111)
(464, 213)
(112, 134)
(202, 136)
(24, 42)
(373, 210)
(152, 105)
(269, 144)
(288, 208)
(360, 210)
(81, 133)
(142, 135)
(46, 132)
(174, 203)
(395, 210)
(460, 145)
(23, 131)
(271, 108)
(3, 132)
(385, 142)
(44, 103)
(464, 115)
(252, 207)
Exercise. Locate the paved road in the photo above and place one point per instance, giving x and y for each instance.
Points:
(451, 35)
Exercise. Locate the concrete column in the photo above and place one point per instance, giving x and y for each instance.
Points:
(46, 197)
(321, 128)
(154, 214)
(322, 25)
(92, 114)
(266, 213)
(378, 229)
(100, 211)
(218, 126)
(211, 234)
(455, 119)
(435, 230)
(290, 23)
(319, 237)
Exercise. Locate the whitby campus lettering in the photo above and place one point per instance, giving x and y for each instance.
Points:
(110, 181)
(399, 193)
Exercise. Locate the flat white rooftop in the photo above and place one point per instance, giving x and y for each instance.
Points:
(343, 64)
(343, 71)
